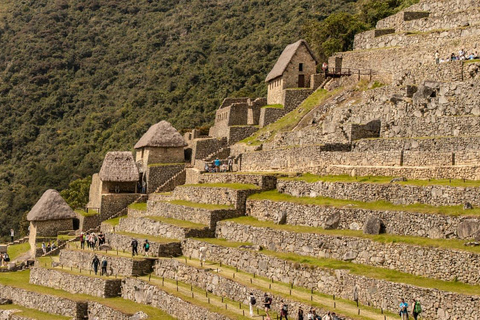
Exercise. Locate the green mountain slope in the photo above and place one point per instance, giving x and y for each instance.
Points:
(81, 77)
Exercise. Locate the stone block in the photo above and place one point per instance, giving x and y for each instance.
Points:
(373, 225)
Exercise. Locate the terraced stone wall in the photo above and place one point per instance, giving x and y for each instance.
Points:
(157, 228)
(269, 115)
(76, 284)
(438, 263)
(99, 311)
(446, 144)
(158, 175)
(374, 292)
(238, 133)
(265, 182)
(46, 303)
(121, 242)
(436, 195)
(145, 293)
(413, 223)
(113, 203)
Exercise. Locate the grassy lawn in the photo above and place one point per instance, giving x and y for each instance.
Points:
(310, 178)
(32, 313)
(201, 205)
(291, 119)
(138, 206)
(16, 250)
(178, 223)
(236, 186)
(374, 205)
(91, 212)
(364, 270)
(382, 238)
(114, 221)
(273, 106)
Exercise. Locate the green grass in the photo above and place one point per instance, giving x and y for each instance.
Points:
(201, 205)
(138, 206)
(364, 270)
(16, 250)
(310, 178)
(236, 186)
(290, 120)
(471, 61)
(374, 205)
(149, 237)
(32, 313)
(113, 222)
(178, 223)
(91, 212)
(223, 242)
(382, 238)
(273, 106)
(166, 164)
(65, 237)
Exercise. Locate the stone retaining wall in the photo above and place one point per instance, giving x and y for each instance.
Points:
(76, 284)
(435, 195)
(117, 265)
(374, 292)
(197, 215)
(438, 263)
(44, 302)
(264, 182)
(102, 312)
(444, 144)
(142, 292)
(159, 174)
(161, 229)
(157, 249)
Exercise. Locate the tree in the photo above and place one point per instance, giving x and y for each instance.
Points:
(77, 193)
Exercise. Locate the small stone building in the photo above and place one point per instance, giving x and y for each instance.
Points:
(293, 69)
(119, 173)
(49, 215)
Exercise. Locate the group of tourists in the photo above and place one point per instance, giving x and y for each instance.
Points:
(219, 165)
(96, 263)
(462, 55)
(134, 245)
(416, 309)
(48, 247)
(92, 240)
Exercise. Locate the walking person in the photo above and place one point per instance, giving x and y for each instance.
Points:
(95, 264)
(437, 57)
(300, 314)
(267, 302)
(146, 247)
(12, 234)
(104, 266)
(403, 310)
(44, 248)
(217, 164)
(203, 253)
(284, 311)
(82, 240)
(134, 245)
(230, 164)
(417, 309)
(325, 68)
(251, 302)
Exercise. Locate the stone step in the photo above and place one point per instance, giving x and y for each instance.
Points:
(159, 247)
(119, 263)
(430, 222)
(206, 214)
(435, 193)
(164, 227)
(75, 282)
(336, 279)
(218, 194)
(449, 262)
(263, 181)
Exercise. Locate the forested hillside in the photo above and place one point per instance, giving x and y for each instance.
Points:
(81, 77)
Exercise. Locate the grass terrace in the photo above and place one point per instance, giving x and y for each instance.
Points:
(178, 223)
(374, 205)
(89, 213)
(201, 205)
(146, 236)
(273, 106)
(32, 313)
(142, 206)
(236, 186)
(113, 222)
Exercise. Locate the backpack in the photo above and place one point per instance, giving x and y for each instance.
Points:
(285, 308)
(134, 243)
(147, 245)
(253, 301)
(417, 308)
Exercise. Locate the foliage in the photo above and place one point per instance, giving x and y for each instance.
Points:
(76, 195)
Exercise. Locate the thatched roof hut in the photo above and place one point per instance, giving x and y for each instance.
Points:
(51, 206)
(119, 166)
(161, 135)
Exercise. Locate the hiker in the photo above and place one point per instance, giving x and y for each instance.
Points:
(334, 316)
(44, 248)
(311, 314)
(417, 309)
(327, 316)
(146, 247)
(95, 264)
(300, 314)
(203, 253)
(403, 310)
(268, 305)
(104, 266)
(134, 245)
(217, 164)
(284, 311)
(251, 302)
(437, 57)
(230, 164)
(12, 234)
(6, 258)
(82, 240)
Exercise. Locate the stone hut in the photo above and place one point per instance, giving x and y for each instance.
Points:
(293, 69)
(50, 215)
(162, 143)
(119, 173)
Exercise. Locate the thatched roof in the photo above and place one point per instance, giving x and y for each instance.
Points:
(51, 206)
(119, 166)
(162, 134)
(285, 58)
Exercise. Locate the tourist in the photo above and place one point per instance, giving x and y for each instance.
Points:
(95, 264)
(101, 238)
(251, 302)
(300, 314)
(223, 167)
(403, 310)
(284, 311)
(310, 314)
(437, 57)
(268, 305)
(334, 316)
(104, 266)
(230, 164)
(416, 309)
(53, 246)
(49, 246)
(44, 248)
(203, 253)
(146, 247)
(327, 316)
(134, 245)
(217, 164)
(207, 167)
(82, 240)
(12, 234)
(325, 68)
(6, 258)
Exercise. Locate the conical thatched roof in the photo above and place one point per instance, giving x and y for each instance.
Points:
(119, 166)
(51, 206)
(162, 134)
(285, 58)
